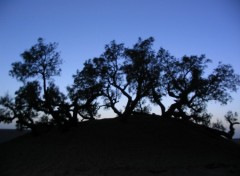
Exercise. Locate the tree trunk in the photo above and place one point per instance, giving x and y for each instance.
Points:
(170, 112)
(45, 88)
(157, 100)
(231, 128)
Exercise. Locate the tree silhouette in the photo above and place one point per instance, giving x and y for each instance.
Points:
(218, 125)
(124, 72)
(219, 129)
(24, 108)
(42, 61)
(84, 93)
(56, 104)
(134, 74)
(184, 80)
(142, 71)
(231, 118)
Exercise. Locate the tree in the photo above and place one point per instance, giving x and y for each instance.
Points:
(41, 60)
(219, 129)
(134, 74)
(7, 109)
(142, 108)
(24, 108)
(109, 70)
(142, 71)
(124, 72)
(231, 118)
(183, 80)
(84, 93)
(56, 105)
(218, 125)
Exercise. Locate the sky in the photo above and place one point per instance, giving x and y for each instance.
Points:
(83, 27)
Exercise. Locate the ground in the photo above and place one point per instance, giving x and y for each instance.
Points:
(141, 146)
(9, 134)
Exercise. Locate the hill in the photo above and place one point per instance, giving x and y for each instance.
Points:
(8, 134)
(142, 146)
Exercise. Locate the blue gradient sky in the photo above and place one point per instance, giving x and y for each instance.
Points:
(83, 27)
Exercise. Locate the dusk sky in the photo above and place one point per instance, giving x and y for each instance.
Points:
(83, 27)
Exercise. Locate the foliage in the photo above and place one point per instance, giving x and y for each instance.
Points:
(24, 108)
(84, 92)
(40, 60)
(218, 125)
(131, 75)
(184, 80)
(124, 72)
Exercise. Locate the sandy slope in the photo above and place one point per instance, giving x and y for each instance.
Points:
(143, 146)
(8, 134)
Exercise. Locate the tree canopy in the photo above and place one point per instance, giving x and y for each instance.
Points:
(121, 78)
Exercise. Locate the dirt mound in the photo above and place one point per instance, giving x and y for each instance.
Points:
(141, 146)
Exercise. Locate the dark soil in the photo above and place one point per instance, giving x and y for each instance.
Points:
(9, 134)
(140, 146)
